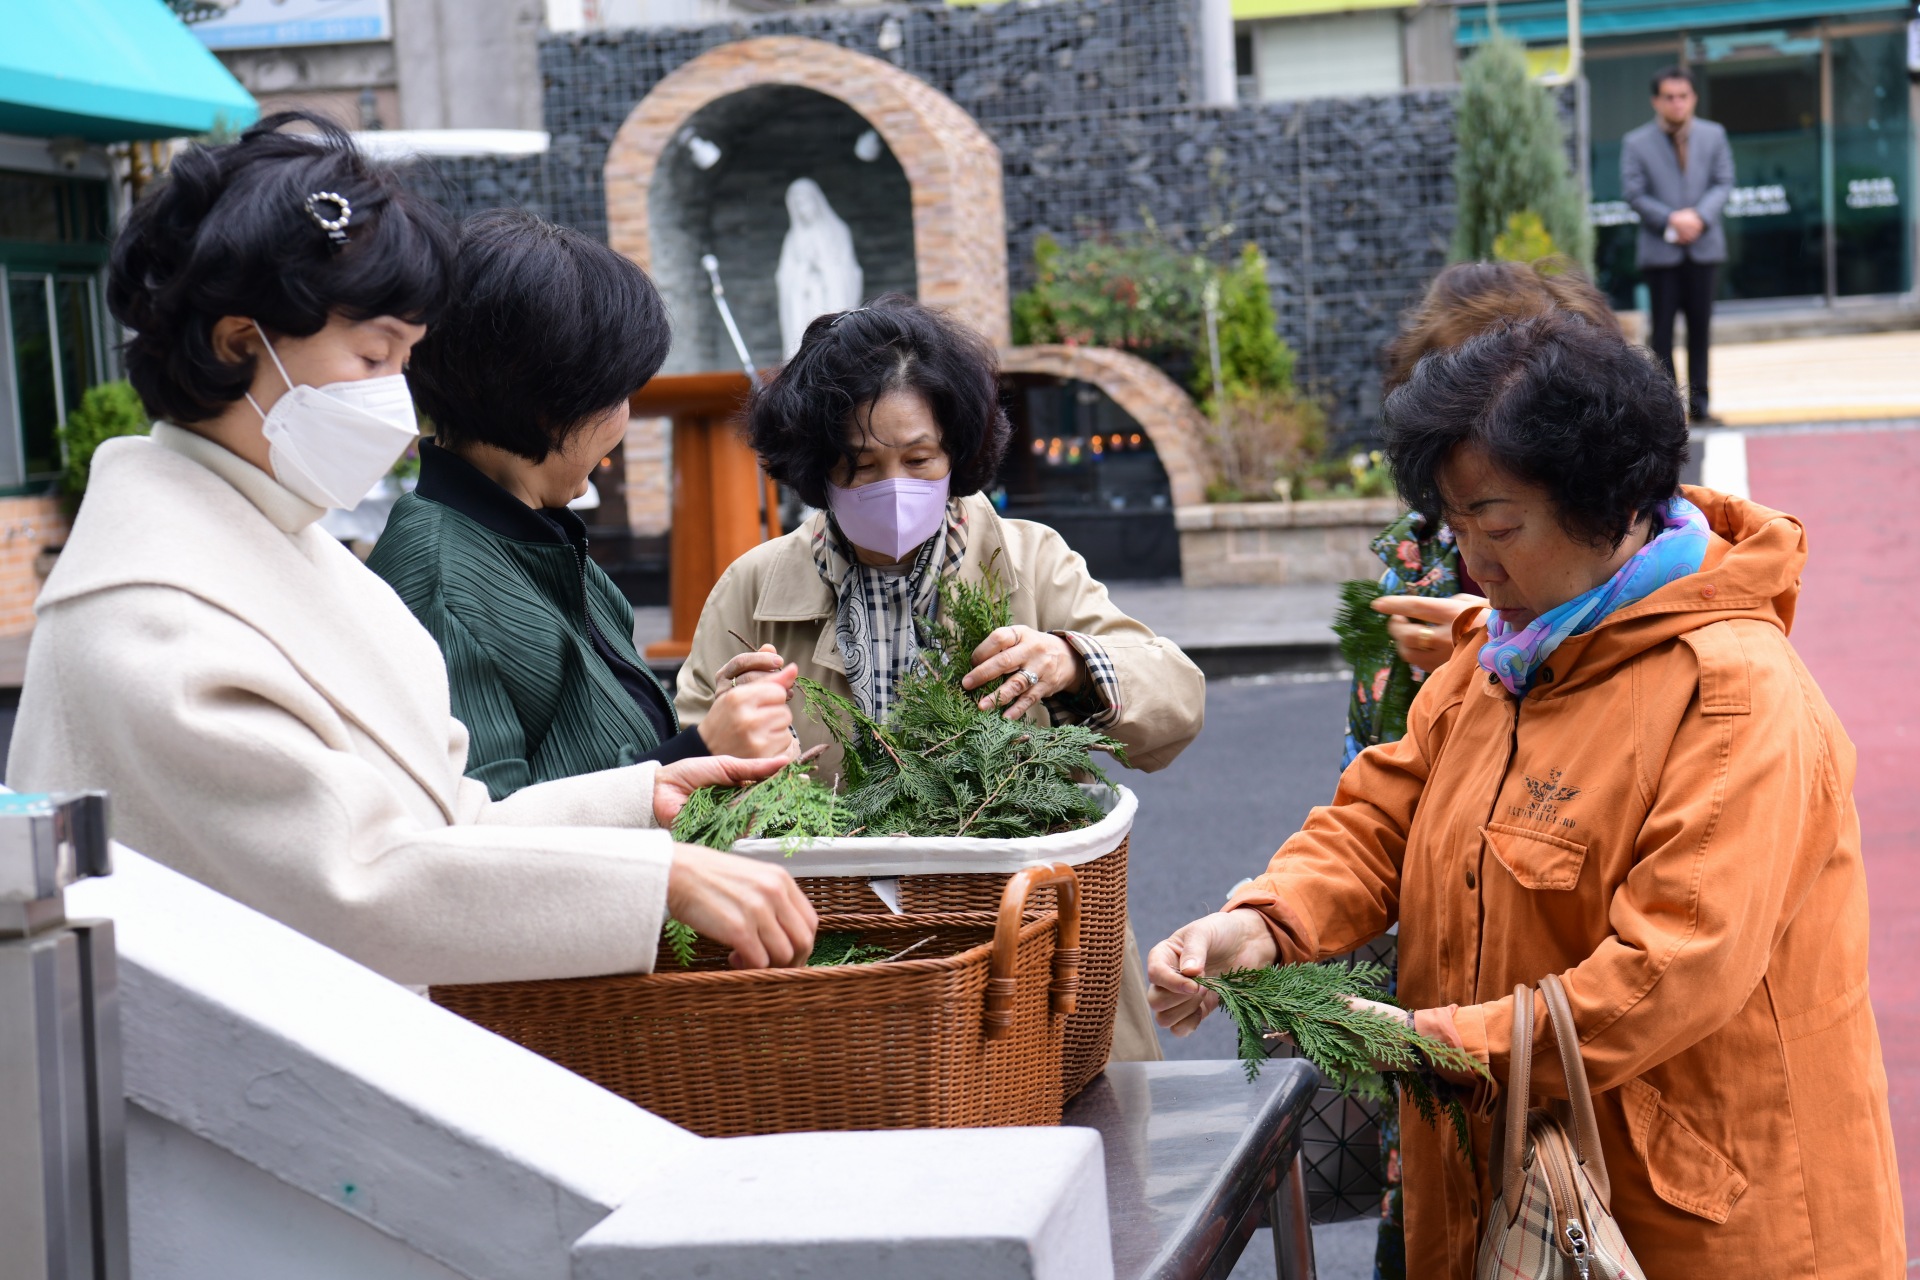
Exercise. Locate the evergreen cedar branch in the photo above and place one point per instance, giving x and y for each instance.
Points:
(1359, 1051)
(939, 766)
(1366, 645)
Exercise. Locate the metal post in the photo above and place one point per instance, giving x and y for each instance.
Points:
(1830, 246)
(63, 1172)
(1218, 82)
(1292, 1227)
(711, 265)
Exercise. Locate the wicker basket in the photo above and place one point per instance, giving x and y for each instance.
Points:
(1103, 906)
(966, 1033)
(1103, 915)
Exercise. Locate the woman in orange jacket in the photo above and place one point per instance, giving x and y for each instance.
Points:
(1625, 777)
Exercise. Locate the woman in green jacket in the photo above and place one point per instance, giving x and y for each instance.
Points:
(527, 383)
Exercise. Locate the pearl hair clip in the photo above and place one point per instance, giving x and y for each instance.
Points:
(335, 227)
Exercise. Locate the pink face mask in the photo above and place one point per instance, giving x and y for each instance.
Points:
(890, 517)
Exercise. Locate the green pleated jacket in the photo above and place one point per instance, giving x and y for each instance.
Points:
(538, 640)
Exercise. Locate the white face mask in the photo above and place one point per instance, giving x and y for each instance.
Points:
(331, 444)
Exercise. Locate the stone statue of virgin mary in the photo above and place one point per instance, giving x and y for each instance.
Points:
(818, 272)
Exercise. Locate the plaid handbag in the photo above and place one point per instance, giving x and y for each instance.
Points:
(1551, 1220)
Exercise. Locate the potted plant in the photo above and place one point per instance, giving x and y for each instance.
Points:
(108, 410)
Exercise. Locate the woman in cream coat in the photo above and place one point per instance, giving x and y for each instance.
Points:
(266, 714)
(888, 419)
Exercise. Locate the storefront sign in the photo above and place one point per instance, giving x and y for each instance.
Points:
(1872, 193)
(1611, 213)
(261, 24)
(1758, 202)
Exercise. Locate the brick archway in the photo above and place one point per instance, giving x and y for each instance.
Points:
(1164, 411)
(959, 220)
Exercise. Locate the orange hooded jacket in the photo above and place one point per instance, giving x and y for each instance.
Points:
(1667, 821)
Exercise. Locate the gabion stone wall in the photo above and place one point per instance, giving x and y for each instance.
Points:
(1090, 102)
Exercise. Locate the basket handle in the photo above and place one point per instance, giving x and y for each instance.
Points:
(1063, 992)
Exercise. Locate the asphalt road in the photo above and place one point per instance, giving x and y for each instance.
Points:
(1269, 753)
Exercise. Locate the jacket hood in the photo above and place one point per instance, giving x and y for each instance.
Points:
(1752, 570)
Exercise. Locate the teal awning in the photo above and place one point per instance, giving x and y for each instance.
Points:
(1545, 21)
(109, 71)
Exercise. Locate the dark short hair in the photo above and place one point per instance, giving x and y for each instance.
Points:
(551, 330)
(1671, 73)
(802, 421)
(227, 233)
(1555, 401)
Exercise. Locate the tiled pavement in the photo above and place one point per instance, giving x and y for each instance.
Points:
(1858, 629)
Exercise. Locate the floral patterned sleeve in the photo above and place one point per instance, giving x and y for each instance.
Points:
(1421, 560)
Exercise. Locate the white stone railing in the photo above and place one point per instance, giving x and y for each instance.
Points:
(296, 1115)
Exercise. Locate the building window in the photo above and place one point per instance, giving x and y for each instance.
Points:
(53, 244)
(1328, 56)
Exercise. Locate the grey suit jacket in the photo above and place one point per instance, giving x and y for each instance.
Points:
(1651, 180)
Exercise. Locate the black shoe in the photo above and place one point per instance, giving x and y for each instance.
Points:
(1702, 417)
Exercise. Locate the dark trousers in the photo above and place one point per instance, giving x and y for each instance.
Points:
(1689, 288)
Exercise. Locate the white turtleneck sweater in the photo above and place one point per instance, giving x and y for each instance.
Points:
(269, 719)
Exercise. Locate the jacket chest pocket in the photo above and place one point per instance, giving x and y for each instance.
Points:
(1536, 859)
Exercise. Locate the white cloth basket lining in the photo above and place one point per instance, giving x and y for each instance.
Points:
(952, 855)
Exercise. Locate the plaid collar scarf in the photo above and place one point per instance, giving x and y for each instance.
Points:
(881, 616)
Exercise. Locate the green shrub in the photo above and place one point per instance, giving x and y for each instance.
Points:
(1512, 159)
(108, 410)
(1140, 294)
(1253, 355)
(1262, 444)
(1524, 240)
(1134, 293)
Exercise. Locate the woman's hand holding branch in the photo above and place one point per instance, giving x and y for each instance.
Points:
(1219, 943)
(752, 908)
(1037, 664)
(1422, 626)
(750, 715)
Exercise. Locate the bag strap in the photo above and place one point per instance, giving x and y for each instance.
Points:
(1586, 1131)
(1519, 1088)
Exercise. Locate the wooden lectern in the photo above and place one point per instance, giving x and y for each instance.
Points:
(723, 504)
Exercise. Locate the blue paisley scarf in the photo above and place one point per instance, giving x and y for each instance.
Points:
(1676, 551)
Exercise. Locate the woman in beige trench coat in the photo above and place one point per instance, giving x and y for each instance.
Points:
(888, 420)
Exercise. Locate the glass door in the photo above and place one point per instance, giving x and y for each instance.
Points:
(1764, 88)
(1872, 149)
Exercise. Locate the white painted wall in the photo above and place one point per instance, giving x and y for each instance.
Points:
(1330, 55)
(197, 1212)
(295, 1115)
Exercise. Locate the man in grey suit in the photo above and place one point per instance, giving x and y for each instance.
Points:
(1677, 172)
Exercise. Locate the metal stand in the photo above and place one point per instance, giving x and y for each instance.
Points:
(1195, 1155)
(63, 1168)
(1292, 1227)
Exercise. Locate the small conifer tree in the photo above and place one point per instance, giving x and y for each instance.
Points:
(1252, 352)
(1512, 159)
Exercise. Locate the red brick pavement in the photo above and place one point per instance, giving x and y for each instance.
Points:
(1858, 630)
